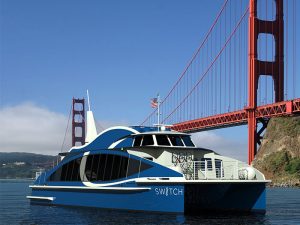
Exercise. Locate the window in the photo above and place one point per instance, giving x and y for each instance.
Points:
(149, 158)
(109, 167)
(135, 166)
(187, 141)
(137, 141)
(175, 140)
(218, 163)
(91, 167)
(147, 140)
(67, 172)
(219, 169)
(208, 163)
(119, 171)
(106, 167)
(162, 140)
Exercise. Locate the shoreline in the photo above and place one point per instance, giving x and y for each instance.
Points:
(283, 185)
(18, 179)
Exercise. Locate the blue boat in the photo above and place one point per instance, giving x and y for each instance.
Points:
(149, 169)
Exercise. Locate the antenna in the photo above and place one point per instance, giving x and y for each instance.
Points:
(158, 111)
(88, 98)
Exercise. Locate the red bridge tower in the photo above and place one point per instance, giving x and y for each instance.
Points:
(256, 68)
(78, 122)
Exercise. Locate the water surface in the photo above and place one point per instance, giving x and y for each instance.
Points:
(283, 207)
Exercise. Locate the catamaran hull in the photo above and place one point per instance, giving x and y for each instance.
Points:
(184, 198)
(247, 197)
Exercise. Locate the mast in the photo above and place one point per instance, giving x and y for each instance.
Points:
(158, 112)
(91, 130)
(88, 98)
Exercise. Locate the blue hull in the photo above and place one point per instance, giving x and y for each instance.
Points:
(145, 200)
(247, 197)
(184, 198)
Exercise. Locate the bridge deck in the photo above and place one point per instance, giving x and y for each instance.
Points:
(285, 108)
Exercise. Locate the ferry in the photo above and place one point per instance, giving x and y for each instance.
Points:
(149, 169)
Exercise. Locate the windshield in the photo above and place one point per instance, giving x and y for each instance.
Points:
(187, 141)
(176, 140)
(162, 140)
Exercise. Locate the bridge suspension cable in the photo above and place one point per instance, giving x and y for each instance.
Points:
(243, 72)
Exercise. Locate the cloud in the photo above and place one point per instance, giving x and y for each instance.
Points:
(230, 147)
(28, 127)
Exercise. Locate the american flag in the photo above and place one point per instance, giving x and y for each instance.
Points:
(154, 103)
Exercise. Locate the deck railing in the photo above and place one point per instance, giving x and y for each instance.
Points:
(198, 170)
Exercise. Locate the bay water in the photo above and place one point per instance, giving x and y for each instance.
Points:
(283, 207)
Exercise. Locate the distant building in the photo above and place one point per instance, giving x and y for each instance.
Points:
(19, 163)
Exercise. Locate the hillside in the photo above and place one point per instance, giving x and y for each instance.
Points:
(23, 165)
(279, 155)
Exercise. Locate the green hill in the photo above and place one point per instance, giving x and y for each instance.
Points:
(23, 165)
(279, 155)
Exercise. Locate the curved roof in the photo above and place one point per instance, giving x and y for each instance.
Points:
(162, 132)
(106, 138)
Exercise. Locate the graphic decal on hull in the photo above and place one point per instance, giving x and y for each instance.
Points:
(168, 191)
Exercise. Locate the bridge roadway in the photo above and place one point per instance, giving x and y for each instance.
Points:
(284, 108)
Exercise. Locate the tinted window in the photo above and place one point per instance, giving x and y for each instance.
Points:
(115, 173)
(88, 168)
(176, 140)
(218, 165)
(67, 172)
(135, 166)
(187, 141)
(107, 167)
(137, 141)
(162, 140)
(208, 162)
(101, 167)
(148, 140)
(149, 158)
(92, 166)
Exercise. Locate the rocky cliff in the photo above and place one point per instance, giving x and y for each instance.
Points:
(279, 155)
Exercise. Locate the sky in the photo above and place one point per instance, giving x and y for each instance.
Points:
(123, 52)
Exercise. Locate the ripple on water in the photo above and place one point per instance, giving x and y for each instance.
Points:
(283, 207)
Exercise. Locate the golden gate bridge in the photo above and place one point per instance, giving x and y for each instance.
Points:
(244, 72)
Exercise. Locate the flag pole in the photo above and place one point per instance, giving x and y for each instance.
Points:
(158, 112)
